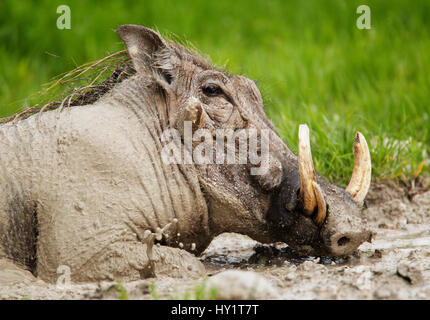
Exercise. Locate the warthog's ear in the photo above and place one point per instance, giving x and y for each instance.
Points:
(148, 51)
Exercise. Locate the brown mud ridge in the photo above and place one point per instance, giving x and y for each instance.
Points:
(395, 265)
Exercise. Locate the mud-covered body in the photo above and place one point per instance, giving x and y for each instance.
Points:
(87, 187)
(81, 186)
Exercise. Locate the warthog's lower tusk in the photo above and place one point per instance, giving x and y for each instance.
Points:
(322, 208)
(310, 191)
(306, 171)
(360, 180)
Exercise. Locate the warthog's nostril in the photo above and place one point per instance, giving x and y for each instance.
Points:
(343, 241)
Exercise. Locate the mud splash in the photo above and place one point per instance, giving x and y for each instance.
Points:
(396, 265)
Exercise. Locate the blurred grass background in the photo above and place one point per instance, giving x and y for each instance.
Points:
(312, 64)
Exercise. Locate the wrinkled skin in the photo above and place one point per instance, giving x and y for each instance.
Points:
(106, 194)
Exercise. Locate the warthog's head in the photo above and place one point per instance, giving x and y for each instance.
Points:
(253, 183)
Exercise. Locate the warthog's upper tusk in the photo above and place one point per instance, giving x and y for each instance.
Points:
(360, 180)
(306, 170)
(310, 192)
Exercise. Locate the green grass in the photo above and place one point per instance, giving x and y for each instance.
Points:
(199, 291)
(153, 291)
(312, 65)
(122, 292)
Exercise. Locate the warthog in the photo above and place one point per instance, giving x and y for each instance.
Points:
(88, 187)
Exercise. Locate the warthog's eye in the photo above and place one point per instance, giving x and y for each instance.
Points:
(212, 90)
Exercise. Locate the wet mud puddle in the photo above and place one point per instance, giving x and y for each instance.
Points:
(230, 250)
(395, 265)
(415, 236)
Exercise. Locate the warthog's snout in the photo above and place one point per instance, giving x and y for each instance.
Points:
(342, 243)
(344, 229)
(316, 217)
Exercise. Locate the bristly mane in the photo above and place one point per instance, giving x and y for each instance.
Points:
(89, 82)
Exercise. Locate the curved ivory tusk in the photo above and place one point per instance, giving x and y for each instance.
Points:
(360, 180)
(322, 207)
(306, 170)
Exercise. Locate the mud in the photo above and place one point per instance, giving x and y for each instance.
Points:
(395, 265)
